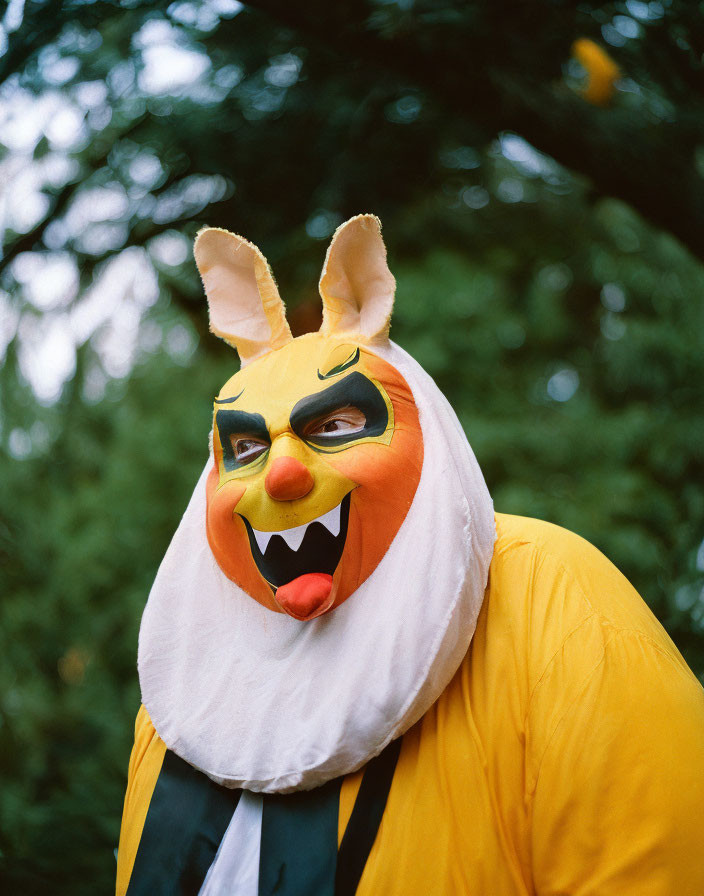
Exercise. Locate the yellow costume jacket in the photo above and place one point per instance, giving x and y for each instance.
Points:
(565, 757)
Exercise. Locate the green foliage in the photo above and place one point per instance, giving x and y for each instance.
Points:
(85, 520)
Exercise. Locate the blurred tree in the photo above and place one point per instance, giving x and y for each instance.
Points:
(566, 330)
(501, 66)
(84, 520)
(181, 107)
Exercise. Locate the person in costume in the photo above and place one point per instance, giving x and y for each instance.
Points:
(356, 678)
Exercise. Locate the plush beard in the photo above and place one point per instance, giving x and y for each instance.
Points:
(317, 456)
(260, 700)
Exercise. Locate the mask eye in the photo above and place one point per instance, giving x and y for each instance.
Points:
(341, 422)
(247, 448)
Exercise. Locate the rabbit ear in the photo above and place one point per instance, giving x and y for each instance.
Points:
(245, 307)
(357, 286)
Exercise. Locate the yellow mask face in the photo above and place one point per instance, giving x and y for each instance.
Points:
(317, 444)
(318, 453)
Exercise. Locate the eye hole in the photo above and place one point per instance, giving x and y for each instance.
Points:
(342, 422)
(247, 448)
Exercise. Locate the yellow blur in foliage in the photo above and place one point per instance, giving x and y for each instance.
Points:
(72, 665)
(602, 71)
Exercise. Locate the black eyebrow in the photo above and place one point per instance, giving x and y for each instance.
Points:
(231, 423)
(228, 400)
(350, 361)
(355, 390)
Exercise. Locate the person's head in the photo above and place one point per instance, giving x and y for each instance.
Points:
(317, 444)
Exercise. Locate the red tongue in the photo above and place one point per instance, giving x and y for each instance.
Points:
(306, 596)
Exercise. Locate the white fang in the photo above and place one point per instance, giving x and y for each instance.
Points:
(331, 520)
(262, 538)
(294, 536)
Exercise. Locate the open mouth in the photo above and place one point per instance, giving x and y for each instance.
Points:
(315, 547)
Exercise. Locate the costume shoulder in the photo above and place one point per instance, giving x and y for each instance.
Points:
(145, 764)
(613, 720)
(556, 585)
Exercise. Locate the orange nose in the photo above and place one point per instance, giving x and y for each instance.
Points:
(288, 479)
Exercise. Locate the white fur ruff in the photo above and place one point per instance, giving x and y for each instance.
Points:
(259, 700)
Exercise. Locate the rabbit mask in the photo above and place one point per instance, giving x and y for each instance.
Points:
(316, 441)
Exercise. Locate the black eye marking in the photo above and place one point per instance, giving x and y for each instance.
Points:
(354, 391)
(339, 368)
(235, 423)
(228, 400)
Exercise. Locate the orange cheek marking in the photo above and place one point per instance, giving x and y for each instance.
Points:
(229, 496)
(223, 527)
(387, 477)
(228, 539)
